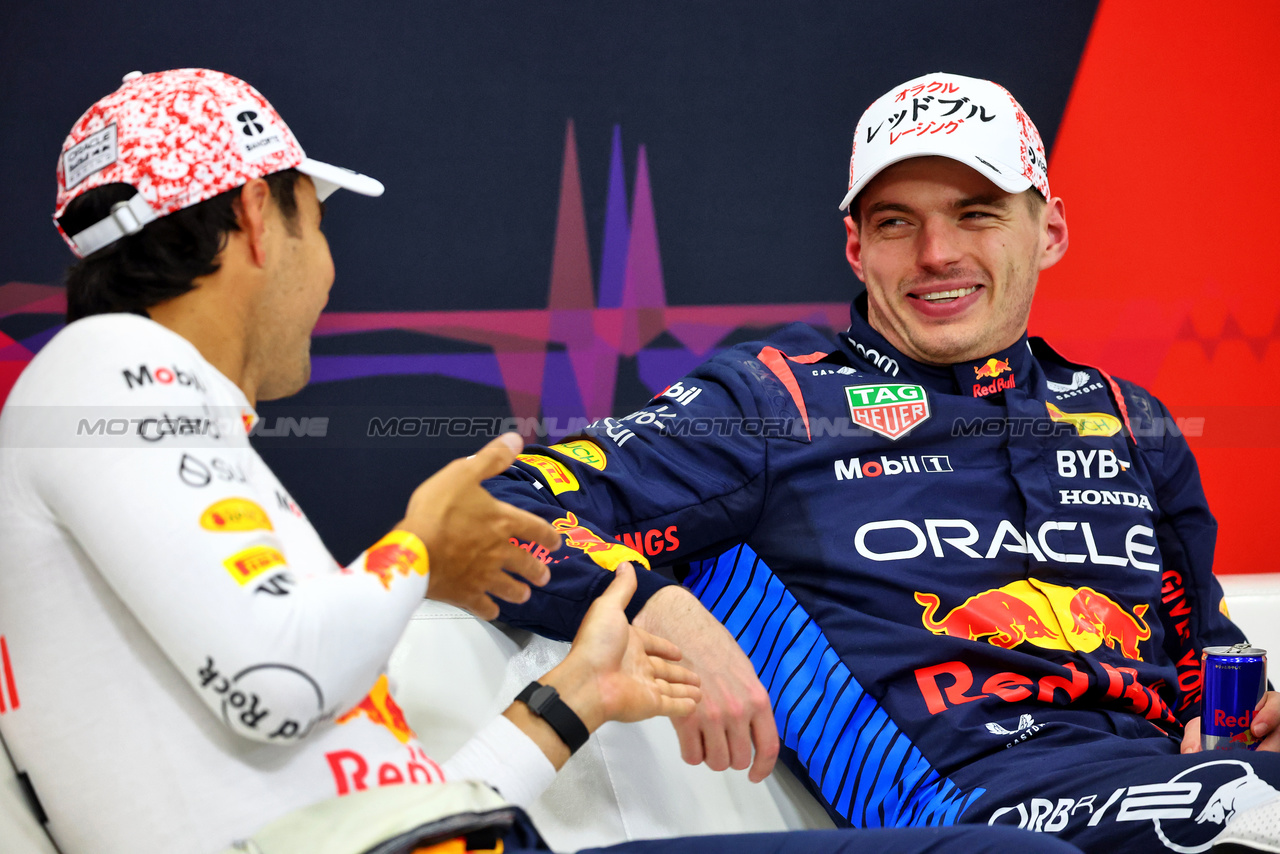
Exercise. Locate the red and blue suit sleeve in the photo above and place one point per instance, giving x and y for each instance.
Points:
(679, 480)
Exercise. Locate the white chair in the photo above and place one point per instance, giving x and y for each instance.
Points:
(628, 782)
(20, 833)
(453, 673)
(1254, 603)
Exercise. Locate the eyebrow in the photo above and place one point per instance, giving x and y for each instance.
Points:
(889, 206)
(990, 200)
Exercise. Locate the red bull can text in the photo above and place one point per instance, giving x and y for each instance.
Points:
(1235, 678)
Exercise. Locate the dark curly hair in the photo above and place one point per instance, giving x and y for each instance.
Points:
(159, 262)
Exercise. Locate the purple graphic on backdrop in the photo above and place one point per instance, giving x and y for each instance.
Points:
(560, 362)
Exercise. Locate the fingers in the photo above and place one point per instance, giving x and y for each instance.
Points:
(526, 526)
(1265, 722)
(739, 741)
(659, 647)
(1267, 715)
(676, 707)
(620, 589)
(1270, 744)
(1191, 737)
(715, 742)
(764, 737)
(673, 673)
(679, 691)
(518, 561)
(507, 588)
(496, 457)
(689, 731)
(474, 602)
(482, 606)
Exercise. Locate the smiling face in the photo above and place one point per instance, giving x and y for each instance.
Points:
(949, 259)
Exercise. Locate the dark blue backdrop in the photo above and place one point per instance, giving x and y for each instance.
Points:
(746, 110)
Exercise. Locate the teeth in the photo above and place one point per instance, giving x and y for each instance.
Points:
(958, 292)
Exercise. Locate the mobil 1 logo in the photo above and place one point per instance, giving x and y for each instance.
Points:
(855, 468)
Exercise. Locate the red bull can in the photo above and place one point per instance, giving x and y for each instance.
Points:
(1235, 678)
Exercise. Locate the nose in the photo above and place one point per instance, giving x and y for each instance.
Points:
(938, 245)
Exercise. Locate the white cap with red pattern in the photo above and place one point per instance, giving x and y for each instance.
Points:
(975, 122)
(179, 137)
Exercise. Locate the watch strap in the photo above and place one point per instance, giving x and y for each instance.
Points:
(544, 701)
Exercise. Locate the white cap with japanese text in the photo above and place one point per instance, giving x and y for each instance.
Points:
(975, 122)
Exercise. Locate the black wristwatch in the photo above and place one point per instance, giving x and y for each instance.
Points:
(544, 701)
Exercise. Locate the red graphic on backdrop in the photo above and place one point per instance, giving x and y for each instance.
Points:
(561, 361)
(1200, 336)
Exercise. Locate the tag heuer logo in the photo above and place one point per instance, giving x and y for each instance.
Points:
(891, 410)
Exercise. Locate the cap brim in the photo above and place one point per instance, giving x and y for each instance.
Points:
(328, 178)
(1003, 176)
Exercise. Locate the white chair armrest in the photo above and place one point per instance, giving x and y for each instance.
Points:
(19, 830)
(1254, 603)
(453, 673)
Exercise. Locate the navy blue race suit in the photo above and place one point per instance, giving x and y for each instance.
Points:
(975, 593)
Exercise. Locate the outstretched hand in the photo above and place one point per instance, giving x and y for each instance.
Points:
(617, 672)
(614, 672)
(468, 533)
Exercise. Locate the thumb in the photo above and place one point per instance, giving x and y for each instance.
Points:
(619, 591)
(497, 456)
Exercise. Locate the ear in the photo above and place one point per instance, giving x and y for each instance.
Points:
(853, 246)
(1053, 233)
(251, 216)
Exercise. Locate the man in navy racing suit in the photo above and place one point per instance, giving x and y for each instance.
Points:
(973, 577)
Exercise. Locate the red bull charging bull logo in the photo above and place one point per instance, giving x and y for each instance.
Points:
(1047, 615)
(992, 369)
(605, 553)
(381, 708)
(399, 552)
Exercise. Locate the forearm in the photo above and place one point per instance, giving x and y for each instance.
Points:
(505, 758)
(577, 689)
(614, 672)
(519, 753)
(676, 614)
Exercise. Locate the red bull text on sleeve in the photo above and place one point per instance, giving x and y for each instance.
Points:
(1235, 678)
